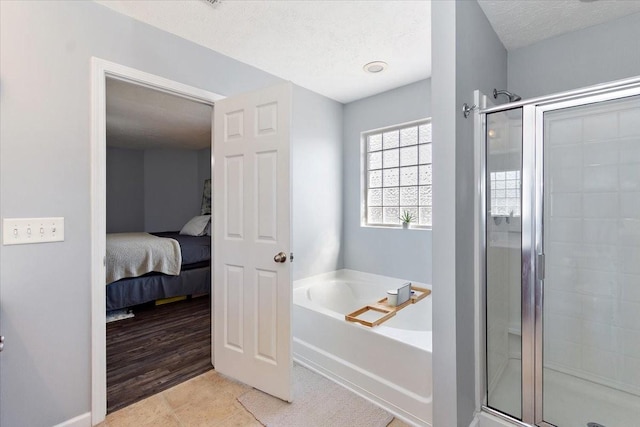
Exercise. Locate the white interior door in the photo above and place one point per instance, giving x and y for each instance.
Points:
(252, 217)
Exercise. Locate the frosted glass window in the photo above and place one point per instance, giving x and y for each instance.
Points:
(409, 156)
(375, 179)
(398, 174)
(375, 197)
(408, 196)
(390, 158)
(375, 160)
(374, 143)
(375, 215)
(409, 176)
(505, 193)
(390, 139)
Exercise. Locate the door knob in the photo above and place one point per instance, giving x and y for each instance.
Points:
(280, 257)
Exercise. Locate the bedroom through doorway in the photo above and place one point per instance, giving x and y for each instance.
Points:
(158, 172)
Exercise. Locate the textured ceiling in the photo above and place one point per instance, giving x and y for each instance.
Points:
(323, 44)
(320, 45)
(520, 23)
(139, 118)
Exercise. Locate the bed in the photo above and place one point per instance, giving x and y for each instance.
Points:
(194, 275)
(144, 267)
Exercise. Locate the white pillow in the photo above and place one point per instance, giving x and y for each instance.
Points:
(207, 231)
(196, 225)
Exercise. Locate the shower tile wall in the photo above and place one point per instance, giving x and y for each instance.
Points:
(497, 313)
(592, 243)
(503, 305)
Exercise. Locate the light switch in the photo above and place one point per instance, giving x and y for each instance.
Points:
(21, 231)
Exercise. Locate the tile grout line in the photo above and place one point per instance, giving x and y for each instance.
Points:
(173, 412)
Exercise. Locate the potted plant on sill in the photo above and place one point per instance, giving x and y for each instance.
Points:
(406, 218)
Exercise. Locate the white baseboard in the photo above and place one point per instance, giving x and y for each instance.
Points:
(83, 420)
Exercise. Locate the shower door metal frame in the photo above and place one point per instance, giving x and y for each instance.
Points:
(528, 264)
(480, 255)
(532, 230)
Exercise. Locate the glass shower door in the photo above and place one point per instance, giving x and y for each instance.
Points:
(503, 189)
(591, 241)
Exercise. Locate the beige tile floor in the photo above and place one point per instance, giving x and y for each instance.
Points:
(207, 400)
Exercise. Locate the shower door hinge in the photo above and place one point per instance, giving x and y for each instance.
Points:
(540, 266)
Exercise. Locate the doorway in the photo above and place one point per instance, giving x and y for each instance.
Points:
(158, 179)
(101, 70)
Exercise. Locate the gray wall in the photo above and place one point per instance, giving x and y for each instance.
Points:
(597, 54)
(316, 183)
(172, 191)
(125, 190)
(45, 297)
(443, 80)
(154, 189)
(393, 252)
(467, 55)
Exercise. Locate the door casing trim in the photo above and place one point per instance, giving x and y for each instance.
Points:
(100, 71)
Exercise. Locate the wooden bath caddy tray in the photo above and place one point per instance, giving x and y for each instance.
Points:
(387, 311)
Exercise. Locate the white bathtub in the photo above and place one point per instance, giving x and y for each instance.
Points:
(389, 364)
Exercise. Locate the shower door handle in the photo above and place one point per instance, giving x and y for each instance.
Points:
(280, 257)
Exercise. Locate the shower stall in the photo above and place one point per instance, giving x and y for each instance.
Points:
(560, 258)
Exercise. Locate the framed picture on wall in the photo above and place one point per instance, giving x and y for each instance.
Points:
(205, 209)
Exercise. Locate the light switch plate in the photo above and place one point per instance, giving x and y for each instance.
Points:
(23, 231)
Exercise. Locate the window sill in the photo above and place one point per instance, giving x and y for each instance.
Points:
(397, 227)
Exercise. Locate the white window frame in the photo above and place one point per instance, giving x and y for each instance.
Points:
(364, 175)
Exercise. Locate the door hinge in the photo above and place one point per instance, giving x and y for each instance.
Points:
(540, 266)
(290, 256)
(1, 343)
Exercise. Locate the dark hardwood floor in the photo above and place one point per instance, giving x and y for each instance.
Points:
(158, 348)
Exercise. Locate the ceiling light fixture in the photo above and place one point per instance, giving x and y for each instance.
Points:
(375, 67)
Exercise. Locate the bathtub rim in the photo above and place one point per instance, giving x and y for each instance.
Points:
(422, 339)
